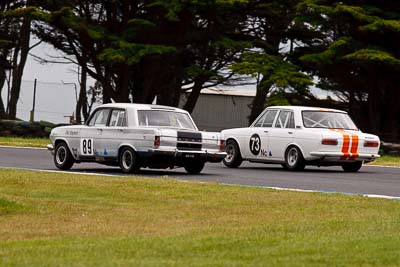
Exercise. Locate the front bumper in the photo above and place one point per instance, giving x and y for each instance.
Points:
(50, 148)
(186, 155)
(339, 155)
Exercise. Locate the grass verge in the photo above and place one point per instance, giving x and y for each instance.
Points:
(53, 219)
(24, 142)
(387, 161)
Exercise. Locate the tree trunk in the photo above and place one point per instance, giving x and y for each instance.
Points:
(81, 105)
(194, 95)
(259, 100)
(171, 77)
(373, 108)
(3, 77)
(2, 81)
(392, 110)
(18, 69)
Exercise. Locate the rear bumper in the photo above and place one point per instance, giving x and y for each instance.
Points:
(184, 155)
(329, 156)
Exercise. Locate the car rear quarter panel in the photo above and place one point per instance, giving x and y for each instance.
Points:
(307, 140)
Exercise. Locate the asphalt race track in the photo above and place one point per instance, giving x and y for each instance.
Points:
(369, 180)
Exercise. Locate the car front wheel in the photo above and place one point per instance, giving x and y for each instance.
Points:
(233, 158)
(128, 161)
(352, 166)
(63, 158)
(194, 167)
(294, 160)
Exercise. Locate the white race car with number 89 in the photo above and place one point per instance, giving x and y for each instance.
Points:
(298, 136)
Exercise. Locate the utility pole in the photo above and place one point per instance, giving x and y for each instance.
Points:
(32, 119)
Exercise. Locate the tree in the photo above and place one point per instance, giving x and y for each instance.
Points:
(271, 26)
(358, 57)
(137, 50)
(10, 48)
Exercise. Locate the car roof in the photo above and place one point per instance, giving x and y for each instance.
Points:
(140, 106)
(305, 108)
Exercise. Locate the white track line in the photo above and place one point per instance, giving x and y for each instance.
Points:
(225, 184)
(24, 147)
(42, 148)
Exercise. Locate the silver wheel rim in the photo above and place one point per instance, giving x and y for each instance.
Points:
(292, 157)
(127, 159)
(61, 155)
(230, 153)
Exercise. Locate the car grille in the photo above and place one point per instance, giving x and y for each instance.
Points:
(189, 141)
(188, 146)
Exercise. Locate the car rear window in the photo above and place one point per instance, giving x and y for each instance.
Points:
(325, 119)
(164, 118)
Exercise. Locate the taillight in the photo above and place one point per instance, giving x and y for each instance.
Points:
(157, 141)
(371, 144)
(329, 142)
(222, 145)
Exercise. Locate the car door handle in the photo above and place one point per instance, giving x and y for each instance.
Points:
(290, 132)
(100, 130)
(266, 131)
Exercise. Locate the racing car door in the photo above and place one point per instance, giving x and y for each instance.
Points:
(281, 135)
(91, 135)
(257, 137)
(114, 133)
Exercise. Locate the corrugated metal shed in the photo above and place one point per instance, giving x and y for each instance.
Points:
(219, 109)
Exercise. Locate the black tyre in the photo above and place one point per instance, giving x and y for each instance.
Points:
(352, 166)
(194, 167)
(128, 161)
(63, 158)
(294, 160)
(233, 158)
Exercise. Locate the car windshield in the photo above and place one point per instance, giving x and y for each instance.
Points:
(164, 118)
(324, 119)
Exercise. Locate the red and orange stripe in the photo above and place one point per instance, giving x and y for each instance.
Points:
(353, 153)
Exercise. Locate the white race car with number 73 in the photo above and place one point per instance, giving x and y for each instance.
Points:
(297, 136)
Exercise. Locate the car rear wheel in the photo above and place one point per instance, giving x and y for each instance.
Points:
(294, 160)
(63, 158)
(352, 166)
(194, 167)
(128, 161)
(233, 158)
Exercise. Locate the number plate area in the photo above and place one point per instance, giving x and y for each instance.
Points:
(190, 156)
(87, 147)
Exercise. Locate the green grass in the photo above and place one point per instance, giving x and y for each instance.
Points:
(55, 219)
(387, 161)
(24, 142)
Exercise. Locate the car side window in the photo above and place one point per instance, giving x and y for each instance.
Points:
(290, 124)
(269, 118)
(99, 118)
(118, 118)
(283, 120)
(260, 121)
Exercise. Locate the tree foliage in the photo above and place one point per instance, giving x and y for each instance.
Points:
(139, 51)
(358, 58)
